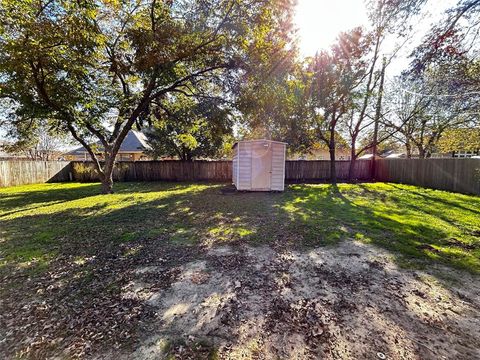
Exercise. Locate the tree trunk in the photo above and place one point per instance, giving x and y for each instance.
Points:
(107, 179)
(353, 158)
(351, 168)
(421, 152)
(378, 111)
(408, 147)
(333, 171)
(107, 183)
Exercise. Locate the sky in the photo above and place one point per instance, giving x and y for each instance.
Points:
(319, 22)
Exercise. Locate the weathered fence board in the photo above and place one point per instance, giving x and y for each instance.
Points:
(319, 170)
(22, 172)
(168, 170)
(458, 175)
(171, 170)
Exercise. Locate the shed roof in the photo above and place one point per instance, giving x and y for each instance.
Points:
(135, 141)
(259, 140)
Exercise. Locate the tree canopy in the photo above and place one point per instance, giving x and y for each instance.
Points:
(96, 68)
(460, 139)
(190, 128)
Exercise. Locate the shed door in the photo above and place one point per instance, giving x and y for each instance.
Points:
(261, 165)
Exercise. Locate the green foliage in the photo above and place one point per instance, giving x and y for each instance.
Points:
(460, 140)
(278, 109)
(295, 104)
(189, 128)
(270, 96)
(334, 76)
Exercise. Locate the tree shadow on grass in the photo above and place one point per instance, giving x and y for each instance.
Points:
(462, 202)
(70, 261)
(33, 197)
(337, 213)
(200, 215)
(457, 216)
(92, 248)
(16, 199)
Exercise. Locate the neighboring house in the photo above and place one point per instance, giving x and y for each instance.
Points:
(396, 156)
(390, 154)
(5, 155)
(365, 157)
(465, 154)
(132, 149)
(322, 154)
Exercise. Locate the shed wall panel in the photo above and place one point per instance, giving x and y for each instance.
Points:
(278, 167)
(260, 165)
(245, 166)
(235, 166)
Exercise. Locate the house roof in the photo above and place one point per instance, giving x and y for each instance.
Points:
(135, 141)
(259, 140)
(395, 155)
(365, 157)
(3, 153)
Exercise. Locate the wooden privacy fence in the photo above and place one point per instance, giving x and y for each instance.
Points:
(458, 175)
(319, 170)
(171, 170)
(22, 172)
(168, 170)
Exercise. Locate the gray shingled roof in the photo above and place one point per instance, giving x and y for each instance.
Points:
(134, 141)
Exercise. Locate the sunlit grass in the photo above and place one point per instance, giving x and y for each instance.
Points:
(420, 226)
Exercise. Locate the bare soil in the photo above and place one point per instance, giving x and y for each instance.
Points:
(344, 302)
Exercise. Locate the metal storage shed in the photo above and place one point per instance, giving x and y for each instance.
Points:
(259, 165)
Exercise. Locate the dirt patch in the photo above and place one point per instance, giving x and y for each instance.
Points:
(242, 302)
(84, 305)
(247, 302)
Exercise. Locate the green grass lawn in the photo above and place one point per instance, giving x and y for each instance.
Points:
(39, 223)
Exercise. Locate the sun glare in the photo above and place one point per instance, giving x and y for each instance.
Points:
(320, 21)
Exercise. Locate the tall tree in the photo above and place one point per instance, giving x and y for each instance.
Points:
(279, 110)
(334, 77)
(271, 93)
(388, 21)
(94, 68)
(418, 117)
(452, 45)
(448, 59)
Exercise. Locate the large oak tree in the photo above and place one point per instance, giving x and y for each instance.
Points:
(94, 68)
